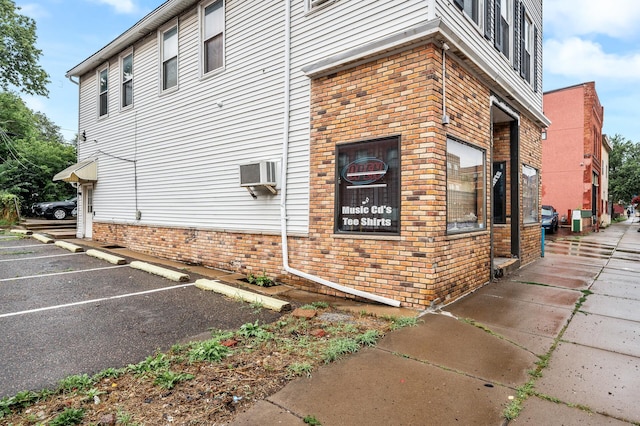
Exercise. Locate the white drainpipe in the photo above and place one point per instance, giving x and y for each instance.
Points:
(283, 192)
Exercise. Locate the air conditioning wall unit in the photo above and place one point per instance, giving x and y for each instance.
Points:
(259, 173)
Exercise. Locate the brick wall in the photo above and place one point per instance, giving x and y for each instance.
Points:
(396, 96)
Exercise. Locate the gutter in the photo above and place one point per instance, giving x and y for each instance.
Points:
(283, 192)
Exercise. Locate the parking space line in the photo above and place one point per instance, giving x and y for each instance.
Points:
(18, 247)
(53, 274)
(102, 299)
(39, 257)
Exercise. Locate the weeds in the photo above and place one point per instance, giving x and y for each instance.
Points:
(125, 419)
(254, 330)
(149, 365)
(401, 322)
(339, 347)
(311, 420)
(169, 379)
(77, 383)
(368, 338)
(260, 280)
(69, 417)
(300, 369)
(210, 350)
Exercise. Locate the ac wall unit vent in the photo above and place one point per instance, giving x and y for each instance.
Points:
(316, 3)
(260, 173)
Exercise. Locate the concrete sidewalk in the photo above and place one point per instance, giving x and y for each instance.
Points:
(464, 364)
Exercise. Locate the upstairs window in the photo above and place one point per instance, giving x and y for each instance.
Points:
(103, 101)
(502, 28)
(526, 46)
(127, 80)
(213, 36)
(470, 8)
(170, 58)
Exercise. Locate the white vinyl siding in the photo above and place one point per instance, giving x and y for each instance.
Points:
(187, 148)
(483, 46)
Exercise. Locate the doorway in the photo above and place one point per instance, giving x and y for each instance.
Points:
(87, 211)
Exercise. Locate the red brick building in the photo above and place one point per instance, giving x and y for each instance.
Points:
(572, 151)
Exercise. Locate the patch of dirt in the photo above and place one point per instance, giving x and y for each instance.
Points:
(261, 360)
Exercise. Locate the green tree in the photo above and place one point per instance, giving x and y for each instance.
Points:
(32, 151)
(19, 57)
(624, 169)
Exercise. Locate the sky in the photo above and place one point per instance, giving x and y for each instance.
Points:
(584, 40)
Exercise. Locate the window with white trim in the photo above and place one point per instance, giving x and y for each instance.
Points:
(213, 36)
(169, 55)
(530, 191)
(126, 67)
(503, 22)
(103, 97)
(527, 48)
(471, 8)
(466, 197)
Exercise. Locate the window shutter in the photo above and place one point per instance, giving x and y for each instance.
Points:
(459, 3)
(488, 21)
(497, 25)
(535, 59)
(517, 35)
(524, 63)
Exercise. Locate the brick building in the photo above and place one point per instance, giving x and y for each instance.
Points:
(572, 153)
(396, 144)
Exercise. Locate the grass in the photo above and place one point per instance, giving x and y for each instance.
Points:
(260, 359)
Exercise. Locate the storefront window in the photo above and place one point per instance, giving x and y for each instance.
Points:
(465, 188)
(368, 187)
(529, 194)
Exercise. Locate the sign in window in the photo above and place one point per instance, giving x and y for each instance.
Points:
(368, 187)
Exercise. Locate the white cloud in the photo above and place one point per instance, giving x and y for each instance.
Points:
(587, 60)
(121, 6)
(614, 18)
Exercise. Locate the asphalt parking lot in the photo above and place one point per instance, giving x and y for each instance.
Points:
(64, 313)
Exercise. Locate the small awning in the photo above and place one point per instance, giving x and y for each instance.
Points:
(84, 171)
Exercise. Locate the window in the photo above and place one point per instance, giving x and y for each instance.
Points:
(526, 45)
(502, 26)
(499, 183)
(103, 101)
(529, 194)
(470, 8)
(126, 66)
(170, 58)
(465, 187)
(213, 36)
(368, 187)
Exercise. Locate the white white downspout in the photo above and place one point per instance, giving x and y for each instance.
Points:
(283, 191)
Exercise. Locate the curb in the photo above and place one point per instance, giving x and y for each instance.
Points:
(42, 238)
(68, 246)
(108, 257)
(163, 272)
(21, 231)
(247, 296)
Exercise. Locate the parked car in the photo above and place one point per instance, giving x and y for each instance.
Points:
(56, 209)
(549, 219)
